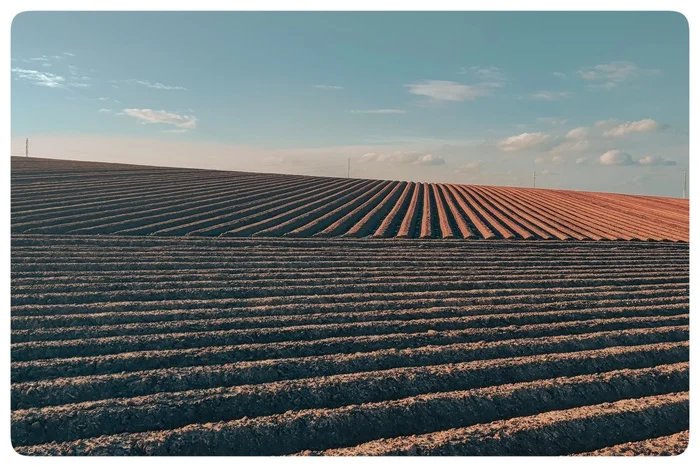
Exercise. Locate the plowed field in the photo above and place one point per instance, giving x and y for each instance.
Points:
(66, 197)
(250, 346)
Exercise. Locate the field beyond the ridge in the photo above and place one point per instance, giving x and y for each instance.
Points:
(68, 197)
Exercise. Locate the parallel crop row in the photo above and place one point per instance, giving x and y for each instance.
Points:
(48, 197)
(267, 346)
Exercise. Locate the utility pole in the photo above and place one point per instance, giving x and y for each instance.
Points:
(26, 147)
(685, 183)
(534, 178)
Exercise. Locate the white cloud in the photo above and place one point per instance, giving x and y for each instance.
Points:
(378, 111)
(609, 123)
(69, 54)
(655, 160)
(186, 122)
(616, 157)
(104, 110)
(540, 159)
(46, 64)
(161, 86)
(471, 167)
(548, 95)
(430, 159)
(579, 133)
(103, 98)
(43, 58)
(450, 90)
(328, 86)
(40, 78)
(610, 75)
(399, 157)
(559, 74)
(523, 141)
(639, 126)
(557, 158)
(581, 161)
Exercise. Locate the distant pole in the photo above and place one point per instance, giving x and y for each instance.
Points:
(26, 147)
(534, 178)
(348, 167)
(685, 183)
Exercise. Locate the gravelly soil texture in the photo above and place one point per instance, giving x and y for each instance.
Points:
(69, 197)
(154, 345)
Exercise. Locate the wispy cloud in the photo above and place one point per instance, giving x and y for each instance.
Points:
(39, 78)
(571, 145)
(156, 85)
(186, 122)
(378, 111)
(471, 167)
(79, 82)
(484, 73)
(450, 90)
(623, 129)
(612, 74)
(556, 159)
(523, 141)
(548, 95)
(486, 80)
(327, 86)
(559, 74)
(104, 99)
(69, 54)
(43, 58)
(105, 110)
(554, 121)
(399, 157)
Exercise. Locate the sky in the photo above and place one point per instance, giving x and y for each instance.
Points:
(585, 100)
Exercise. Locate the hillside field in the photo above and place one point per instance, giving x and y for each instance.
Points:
(65, 197)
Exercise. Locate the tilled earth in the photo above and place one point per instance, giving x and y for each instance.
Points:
(262, 346)
(51, 196)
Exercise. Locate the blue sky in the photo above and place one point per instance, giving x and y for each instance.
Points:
(595, 101)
